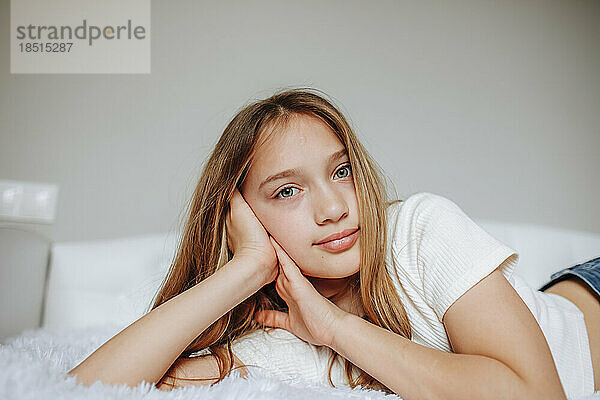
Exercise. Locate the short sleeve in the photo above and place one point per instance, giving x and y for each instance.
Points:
(453, 252)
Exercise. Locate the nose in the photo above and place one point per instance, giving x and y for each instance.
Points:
(329, 205)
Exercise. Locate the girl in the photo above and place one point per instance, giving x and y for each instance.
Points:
(290, 230)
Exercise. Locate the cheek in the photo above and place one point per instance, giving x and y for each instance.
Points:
(295, 238)
(287, 228)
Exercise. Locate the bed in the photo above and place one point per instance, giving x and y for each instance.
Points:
(60, 301)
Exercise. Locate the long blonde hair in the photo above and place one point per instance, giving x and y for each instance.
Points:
(203, 247)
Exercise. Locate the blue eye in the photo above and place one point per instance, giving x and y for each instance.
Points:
(348, 167)
(282, 191)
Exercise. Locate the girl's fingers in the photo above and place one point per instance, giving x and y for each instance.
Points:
(288, 265)
(272, 318)
(279, 286)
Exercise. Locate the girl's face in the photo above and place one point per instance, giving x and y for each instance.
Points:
(310, 203)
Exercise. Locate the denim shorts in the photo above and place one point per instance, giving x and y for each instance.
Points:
(588, 271)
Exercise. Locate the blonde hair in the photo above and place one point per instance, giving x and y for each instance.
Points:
(203, 247)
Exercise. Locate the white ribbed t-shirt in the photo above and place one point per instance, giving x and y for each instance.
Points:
(440, 253)
(435, 253)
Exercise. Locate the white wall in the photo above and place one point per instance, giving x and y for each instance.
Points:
(495, 105)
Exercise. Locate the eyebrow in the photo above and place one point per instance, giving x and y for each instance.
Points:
(295, 171)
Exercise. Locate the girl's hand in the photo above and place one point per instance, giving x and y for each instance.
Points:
(311, 317)
(247, 238)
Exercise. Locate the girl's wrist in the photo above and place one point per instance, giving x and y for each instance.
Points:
(256, 272)
(343, 322)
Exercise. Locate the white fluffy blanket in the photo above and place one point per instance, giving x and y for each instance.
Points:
(34, 365)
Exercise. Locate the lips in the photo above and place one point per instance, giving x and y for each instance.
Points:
(338, 235)
(341, 244)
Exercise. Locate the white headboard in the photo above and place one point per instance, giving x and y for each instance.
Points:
(105, 280)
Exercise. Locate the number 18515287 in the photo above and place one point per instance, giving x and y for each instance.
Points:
(45, 47)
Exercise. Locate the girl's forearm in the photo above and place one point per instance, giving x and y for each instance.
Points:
(415, 372)
(146, 349)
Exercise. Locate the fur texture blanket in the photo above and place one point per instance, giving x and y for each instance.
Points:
(34, 365)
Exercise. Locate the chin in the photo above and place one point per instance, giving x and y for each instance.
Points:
(341, 275)
(337, 269)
